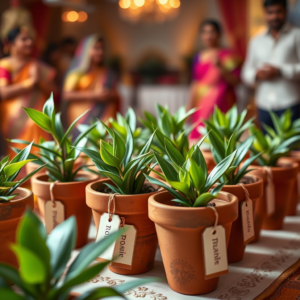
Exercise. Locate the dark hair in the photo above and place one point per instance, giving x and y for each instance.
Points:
(68, 41)
(51, 48)
(13, 33)
(275, 2)
(215, 24)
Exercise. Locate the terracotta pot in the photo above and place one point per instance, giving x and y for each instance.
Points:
(179, 231)
(292, 205)
(210, 162)
(236, 247)
(284, 176)
(134, 208)
(72, 195)
(10, 216)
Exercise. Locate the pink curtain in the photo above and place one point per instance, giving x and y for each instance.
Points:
(235, 20)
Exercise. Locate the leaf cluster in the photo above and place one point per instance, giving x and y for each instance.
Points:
(188, 177)
(9, 170)
(43, 260)
(59, 154)
(170, 126)
(116, 161)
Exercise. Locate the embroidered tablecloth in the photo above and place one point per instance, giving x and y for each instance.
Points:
(263, 263)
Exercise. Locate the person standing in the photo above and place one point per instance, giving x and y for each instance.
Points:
(24, 82)
(216, 71)
(273, 65)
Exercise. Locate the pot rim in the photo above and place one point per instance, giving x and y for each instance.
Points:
(157, 204)
(292, 165)
(28, 193)
(36, 179)
(257, 182)
(90, 190)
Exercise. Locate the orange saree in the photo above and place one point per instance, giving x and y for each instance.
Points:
(14, 122)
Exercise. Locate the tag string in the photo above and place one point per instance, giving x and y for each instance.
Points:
(52, 192)
(270, 175)
(246, 191)
(217, 217)
(111, 201)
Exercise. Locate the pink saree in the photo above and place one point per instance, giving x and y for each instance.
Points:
(212, 89)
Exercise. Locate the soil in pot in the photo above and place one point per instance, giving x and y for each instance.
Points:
(292, 205)
(179, 230)
(10, 215)
(72, 195)
(254, 186)
(284, 176)
(134, 209)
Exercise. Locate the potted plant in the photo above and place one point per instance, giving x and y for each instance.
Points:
(126, 184)
(60, 156)
(44, 271)
(285, 128)
(181, 215)
(236, 181)
(224, 125)
(13, 200)
(279, 176)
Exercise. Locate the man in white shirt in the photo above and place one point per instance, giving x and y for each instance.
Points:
(273, 65)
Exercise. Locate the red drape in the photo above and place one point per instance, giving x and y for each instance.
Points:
(235, 19)
(41, 15)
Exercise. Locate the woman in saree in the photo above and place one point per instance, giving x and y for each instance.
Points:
(24, 82)
(89, 85)
(216, 72)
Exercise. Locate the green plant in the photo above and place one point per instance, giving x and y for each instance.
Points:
(169, 126)
(9, 170)
(139, 134)
(221, 148)
(43, 260)
(59, 154)
(188, 177)
(226, 124)
(116, 161)
(284, 127)
(272, 146)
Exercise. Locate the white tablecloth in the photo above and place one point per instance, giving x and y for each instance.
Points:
(263, 263)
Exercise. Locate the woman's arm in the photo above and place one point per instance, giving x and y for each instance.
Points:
(14, 90)
(229, 76)
(99, 96)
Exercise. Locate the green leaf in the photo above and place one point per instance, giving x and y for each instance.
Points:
(243, 150)
(168, 170)
(15, 167)
(215, 191)
(109, 158)
(10, 294)
(186, 204)
(131, 119)
(197, 175)
(99, 293)
(203, 199)
(89, 253)
(174, 154)
(7, 198)
(39, 118)
(276, 122)
(179, 186)
(29, 261)
(128, 147)
(61, 242)
(231, 145)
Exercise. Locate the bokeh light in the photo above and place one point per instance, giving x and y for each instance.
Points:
(139, 3)
(162, 2)
(82, 16)
(64, 16)
(72, 16)
(175, 3)
(124, 3)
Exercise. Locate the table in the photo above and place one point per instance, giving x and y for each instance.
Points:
(263, 263)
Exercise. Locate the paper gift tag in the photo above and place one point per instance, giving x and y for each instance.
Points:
(247, 220)
(54, 214)
(215, 252)
(270, 198)
(106, 227)
(124, 249)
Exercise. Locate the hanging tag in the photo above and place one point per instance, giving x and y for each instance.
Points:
(298, 184)
(215, 252)
(247, 221)
(107, 225)
(54, 214)
(270, 198)
(124, 249)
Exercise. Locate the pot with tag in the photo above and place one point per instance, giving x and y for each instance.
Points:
(248, 192)
(135, 249)
(10, 216)
(193, 240)
(279, 185)
(58, 201)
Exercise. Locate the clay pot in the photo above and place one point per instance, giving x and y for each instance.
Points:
(179, 231)
(10, 215)
(292, 205)
(284, 176)
(72, 195)
(210, 162)
(236, 247)
(134, 208)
